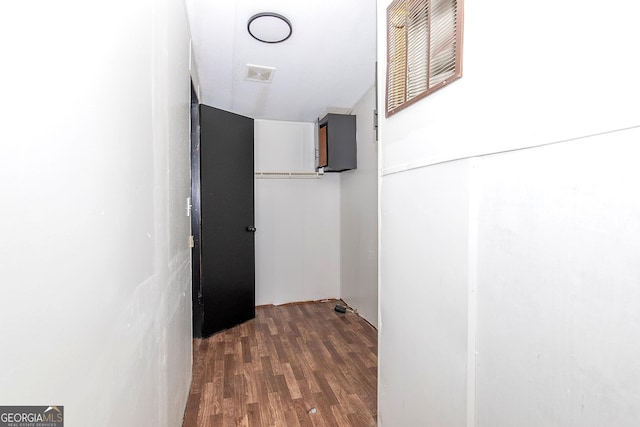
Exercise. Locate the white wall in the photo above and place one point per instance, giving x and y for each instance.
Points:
(526, 257)
(359, 217)
(94, 172)
(533, 76)
(423, 298)
(558, 296)
(298, 220)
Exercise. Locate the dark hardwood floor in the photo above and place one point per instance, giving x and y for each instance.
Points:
(293, 365)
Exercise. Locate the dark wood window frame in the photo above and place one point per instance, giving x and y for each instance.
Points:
(424, 49)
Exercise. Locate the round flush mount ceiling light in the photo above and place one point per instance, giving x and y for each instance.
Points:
(269, 27)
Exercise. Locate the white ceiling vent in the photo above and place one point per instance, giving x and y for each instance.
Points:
(259, 73)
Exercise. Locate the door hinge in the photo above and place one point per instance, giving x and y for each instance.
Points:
(192, 242)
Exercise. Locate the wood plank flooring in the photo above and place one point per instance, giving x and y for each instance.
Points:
(275, 369)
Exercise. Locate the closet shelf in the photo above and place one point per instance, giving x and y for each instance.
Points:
(289, 175)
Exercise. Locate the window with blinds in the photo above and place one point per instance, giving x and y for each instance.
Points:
(424, 49)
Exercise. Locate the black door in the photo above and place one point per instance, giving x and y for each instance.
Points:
(196, 218)
(227, 229)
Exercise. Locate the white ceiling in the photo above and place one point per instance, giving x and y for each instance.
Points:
(327, 64)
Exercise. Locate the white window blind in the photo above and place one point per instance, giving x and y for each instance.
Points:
(423, 50)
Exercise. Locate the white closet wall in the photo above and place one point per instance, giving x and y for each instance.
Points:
(298, 220)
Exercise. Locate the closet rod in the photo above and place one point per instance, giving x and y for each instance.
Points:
(289, 175)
